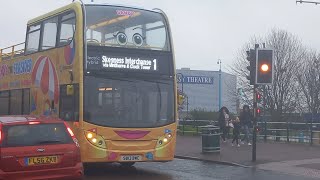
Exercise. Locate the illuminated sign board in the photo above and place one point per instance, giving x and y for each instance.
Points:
(129, 63)
(195, 79)
(125, 60)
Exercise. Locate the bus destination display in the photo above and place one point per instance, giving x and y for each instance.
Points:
(126, 62)
(129, 63)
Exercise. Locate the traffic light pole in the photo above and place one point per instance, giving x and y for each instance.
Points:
(254, 133)
(255, 106)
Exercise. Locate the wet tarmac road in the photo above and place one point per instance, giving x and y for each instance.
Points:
(182, 170)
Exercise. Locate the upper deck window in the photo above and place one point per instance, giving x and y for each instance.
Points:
(68, 27)
(33, 38)
(50, 28)
(126, 27)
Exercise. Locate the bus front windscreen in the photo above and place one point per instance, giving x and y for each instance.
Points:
(128, 102)
(126, 27)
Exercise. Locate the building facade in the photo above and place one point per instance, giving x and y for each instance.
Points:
(202, 89)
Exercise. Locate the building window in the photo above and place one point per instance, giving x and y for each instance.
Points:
(49, 37)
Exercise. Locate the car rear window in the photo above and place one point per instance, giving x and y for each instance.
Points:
(35, 134)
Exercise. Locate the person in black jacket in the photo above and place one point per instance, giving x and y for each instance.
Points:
(236, 131)
(246, 119)
(223, 120)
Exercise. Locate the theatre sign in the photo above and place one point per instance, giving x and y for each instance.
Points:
(195, 79)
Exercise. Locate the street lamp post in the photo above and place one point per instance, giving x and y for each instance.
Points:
(182, 94)
(219, 62)
(181, 81)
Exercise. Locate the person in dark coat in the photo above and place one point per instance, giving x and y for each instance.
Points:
(223, 121)
(236, 131)
(246, 119)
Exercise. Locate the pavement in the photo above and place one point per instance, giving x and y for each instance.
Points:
(288, 158)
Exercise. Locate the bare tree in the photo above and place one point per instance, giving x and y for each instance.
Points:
(309, 80)
(288, 51)
(239, 69)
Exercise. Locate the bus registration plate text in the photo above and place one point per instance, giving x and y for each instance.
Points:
(131, 158)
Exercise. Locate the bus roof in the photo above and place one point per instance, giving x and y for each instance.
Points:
(54, 12)
(78, 5)
(120, 5)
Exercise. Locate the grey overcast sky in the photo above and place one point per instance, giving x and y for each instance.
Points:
(203, 30)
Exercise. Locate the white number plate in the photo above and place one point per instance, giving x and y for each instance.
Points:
(131, 158)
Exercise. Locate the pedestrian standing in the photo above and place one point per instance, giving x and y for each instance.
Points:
(223, 120)
(246, 119)
(236, 131)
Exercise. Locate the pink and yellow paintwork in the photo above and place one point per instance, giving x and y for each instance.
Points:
(51, 69)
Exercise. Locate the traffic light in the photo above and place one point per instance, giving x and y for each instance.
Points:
(258, 97)
(264, 66)
(258, 103)
(257, 128)
(251, 57)
(258, 111)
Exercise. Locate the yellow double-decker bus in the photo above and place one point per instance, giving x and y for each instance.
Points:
(109, 71)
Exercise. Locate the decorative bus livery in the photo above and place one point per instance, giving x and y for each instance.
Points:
(108, 71)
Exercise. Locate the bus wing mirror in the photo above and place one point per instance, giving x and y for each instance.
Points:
(180, 99)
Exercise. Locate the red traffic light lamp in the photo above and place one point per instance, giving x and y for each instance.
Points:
(258, 111)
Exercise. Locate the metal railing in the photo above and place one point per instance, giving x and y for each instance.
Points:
(300, 132)
(12, 51)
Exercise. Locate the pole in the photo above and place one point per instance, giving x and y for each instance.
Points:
(219, 62)
(187, 106)
(181, 81)
(254, 134)
(311, 130)
(182, 94)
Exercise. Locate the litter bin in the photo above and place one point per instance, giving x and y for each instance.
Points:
(210, 139)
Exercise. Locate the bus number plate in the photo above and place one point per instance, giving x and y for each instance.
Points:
(131, 158)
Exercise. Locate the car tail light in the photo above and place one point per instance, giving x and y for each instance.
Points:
(69, 130)
(1, 137)
(72, 134)
(34, 122)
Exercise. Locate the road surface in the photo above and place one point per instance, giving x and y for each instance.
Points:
(183, 170)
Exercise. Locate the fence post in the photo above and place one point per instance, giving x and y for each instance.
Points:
(183, 127)
(311, 131)
(265, 131)
(197, 129)
(288, 132)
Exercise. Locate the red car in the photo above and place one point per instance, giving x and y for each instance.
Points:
(38, 148)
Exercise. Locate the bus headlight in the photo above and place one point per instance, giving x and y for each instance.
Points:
(89, 135)
(95, 139)
(162, 141)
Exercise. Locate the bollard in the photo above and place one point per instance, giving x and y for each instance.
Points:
(265, 131)
(288, 140)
